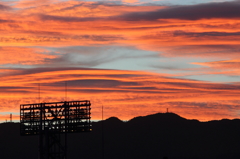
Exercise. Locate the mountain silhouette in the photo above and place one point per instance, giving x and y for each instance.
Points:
(161, 135)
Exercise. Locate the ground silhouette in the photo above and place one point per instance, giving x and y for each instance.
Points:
(162, 135)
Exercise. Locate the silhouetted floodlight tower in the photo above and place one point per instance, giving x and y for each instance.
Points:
(52, 122)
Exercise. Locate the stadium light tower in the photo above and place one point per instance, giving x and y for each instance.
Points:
(50, 120)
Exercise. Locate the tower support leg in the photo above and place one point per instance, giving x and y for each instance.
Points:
(52, 145)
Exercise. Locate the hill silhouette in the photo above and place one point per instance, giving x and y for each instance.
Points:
(153, 136)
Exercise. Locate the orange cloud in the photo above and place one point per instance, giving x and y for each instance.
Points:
(130, 1)
(74, 23)
(132, 93)
(225, 67)
(24, 56)
(226, 64)
(33, 3)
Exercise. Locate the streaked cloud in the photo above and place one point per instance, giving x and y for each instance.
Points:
(226, 67)
(23, 56)
(189, 12)
(4, 7)
(131, 92)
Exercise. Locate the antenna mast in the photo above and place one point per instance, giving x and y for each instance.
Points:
(102, 135)
(39, 92)
(65, 90)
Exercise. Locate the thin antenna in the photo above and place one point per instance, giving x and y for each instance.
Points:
(102, 112)
(10, 117)
(39, 92)
(65, 90)
(102, 136)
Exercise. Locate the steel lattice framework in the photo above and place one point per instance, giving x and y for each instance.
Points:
(50, 120)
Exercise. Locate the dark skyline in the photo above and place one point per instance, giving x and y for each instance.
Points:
(156, 136)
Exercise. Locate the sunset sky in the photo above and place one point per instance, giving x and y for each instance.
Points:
(134, 57)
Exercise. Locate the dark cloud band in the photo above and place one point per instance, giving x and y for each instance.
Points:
(4, 7)
(192, 12)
